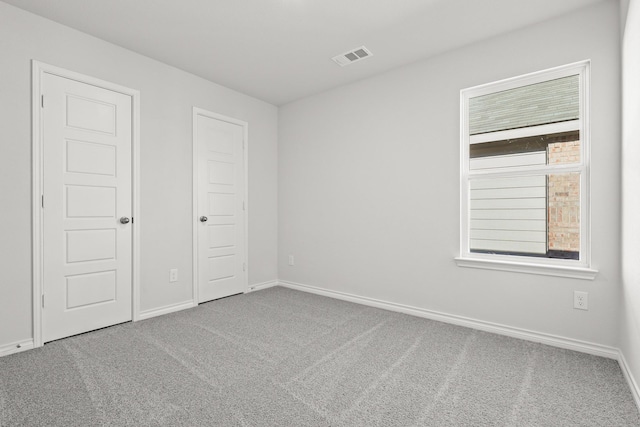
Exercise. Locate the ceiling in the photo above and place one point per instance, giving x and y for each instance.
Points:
(280, 50)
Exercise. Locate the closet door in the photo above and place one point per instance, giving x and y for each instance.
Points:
(87, 235)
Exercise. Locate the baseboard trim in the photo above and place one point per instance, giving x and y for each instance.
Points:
(147, 314)
(16, 347)
(626, 371)
(496, 328)
(263, 285)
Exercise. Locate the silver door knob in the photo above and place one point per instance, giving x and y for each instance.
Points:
(124, 220)
(203, 218)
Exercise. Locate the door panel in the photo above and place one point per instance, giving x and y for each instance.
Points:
(90, 245)
(221, 263)
(89, 158)
(87, 188)
(91, 288)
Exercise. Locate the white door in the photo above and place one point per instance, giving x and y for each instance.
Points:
(87, 241)
(220, 208)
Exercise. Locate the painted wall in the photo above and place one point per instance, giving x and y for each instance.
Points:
(630, 301)
(369, 184)
(167, 98)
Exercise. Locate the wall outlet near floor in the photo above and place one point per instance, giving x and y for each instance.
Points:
(581, 300)
(173, 275)
(291, 260)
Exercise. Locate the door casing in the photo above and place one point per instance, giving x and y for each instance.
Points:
(37, 164)
(245, 130)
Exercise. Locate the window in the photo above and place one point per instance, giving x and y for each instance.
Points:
(525, 174)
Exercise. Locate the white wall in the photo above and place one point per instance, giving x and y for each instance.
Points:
(167, 98)
(624, 9)
(630, 301)
(369, 184)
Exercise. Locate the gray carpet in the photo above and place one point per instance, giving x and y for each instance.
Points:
(279, 357)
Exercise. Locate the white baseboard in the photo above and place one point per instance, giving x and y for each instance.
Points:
(166, 309)
(496, 328)
(263, 285)
(633, 385)
(16, 347)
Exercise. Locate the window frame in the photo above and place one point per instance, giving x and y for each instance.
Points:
(580, 268)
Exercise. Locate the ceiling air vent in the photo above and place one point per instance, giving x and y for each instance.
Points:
(352, 56)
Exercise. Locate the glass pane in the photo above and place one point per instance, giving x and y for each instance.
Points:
(564, 152)
(564, 215)
(552, 149)
(542, 103)
(536, 215)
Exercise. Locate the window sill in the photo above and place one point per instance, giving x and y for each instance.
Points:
(520, 267)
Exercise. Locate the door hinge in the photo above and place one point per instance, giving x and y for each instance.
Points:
(42, 300)
(42, 200)
(244, 267)
(42, 101)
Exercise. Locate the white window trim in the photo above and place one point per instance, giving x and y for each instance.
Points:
(580, 269)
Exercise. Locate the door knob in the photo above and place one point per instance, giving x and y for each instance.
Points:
(203, 218)
(124, 220)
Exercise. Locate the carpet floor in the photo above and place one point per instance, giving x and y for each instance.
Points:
(280, 357)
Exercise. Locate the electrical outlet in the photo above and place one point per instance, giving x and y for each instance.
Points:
(291, 260)
(581, 300)
(173, 275)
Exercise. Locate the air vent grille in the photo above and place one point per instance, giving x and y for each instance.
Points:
(352, 56)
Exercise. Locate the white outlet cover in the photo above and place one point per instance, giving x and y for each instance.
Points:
(581, 300)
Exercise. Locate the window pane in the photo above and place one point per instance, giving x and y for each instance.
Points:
(552, 149)
(564, 215)
(535, 215)
(564, 152)
(547, 102)
(508, 215)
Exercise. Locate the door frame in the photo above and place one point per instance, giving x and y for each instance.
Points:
(245, 135)
(38, 69)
